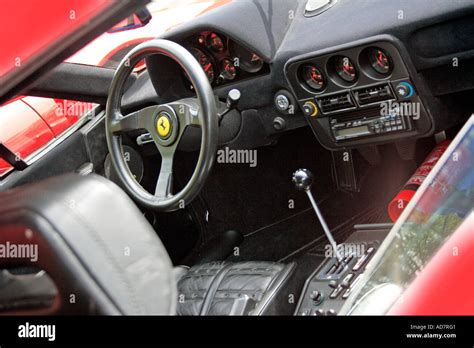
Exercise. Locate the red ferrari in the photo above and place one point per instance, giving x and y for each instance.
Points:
(289, 158)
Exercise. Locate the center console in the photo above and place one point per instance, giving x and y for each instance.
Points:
(332, 282)
(359, 94)
(329, 286)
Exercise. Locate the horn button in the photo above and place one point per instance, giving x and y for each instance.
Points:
(166, 126)
(163, 126)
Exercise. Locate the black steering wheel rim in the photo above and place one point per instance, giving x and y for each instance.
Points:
(206, 118)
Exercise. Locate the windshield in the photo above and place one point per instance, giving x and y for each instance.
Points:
(447, 199)
(109, 48)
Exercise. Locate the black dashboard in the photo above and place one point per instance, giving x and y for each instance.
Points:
(349, 62)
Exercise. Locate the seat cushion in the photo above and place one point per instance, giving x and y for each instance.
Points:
(245, 288)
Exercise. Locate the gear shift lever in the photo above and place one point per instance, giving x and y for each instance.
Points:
(303, 179)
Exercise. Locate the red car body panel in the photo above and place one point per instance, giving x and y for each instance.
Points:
(24, 136)
(51, 113)
(46, 24)
(446, 285)
(5, 167)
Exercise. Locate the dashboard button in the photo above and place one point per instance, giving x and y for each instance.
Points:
(404, 90)
(310, 109)
(336, 292)
(316, 296)
(318, 312)
(346, 294)
(282, 102)
(279, 123)
(346, 282)
(363, 259)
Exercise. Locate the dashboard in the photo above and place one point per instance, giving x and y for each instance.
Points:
(225, 62)
(336, 75)
(358, 94)
(222, 59)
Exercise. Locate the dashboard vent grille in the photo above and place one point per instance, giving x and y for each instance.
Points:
(374, 94)
(335, 102)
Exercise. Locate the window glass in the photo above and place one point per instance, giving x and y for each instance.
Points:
(109, 48)
(446, 202)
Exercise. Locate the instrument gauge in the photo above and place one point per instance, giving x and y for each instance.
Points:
(228, 70)
(215, 43)
(313, 77)
(205, 61)
(345, 69)
(380, 61)
(246, 60)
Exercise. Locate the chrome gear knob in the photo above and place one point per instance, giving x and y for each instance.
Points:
(303, 179)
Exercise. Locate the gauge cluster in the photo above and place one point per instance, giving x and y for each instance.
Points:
(223, 60)
(344, 71)
(358, 94)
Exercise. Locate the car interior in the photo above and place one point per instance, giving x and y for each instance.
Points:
(217, 180)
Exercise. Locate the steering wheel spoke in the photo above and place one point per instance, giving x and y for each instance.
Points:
(164, 184)
(174, 117)
(142, 119)
(187, 111)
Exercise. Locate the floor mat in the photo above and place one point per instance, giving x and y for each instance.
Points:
(272, 242)
(288, 239)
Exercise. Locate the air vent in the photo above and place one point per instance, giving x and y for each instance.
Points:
(374, 94)
(335, 102)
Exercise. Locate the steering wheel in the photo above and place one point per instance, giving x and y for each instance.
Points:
(166, 124)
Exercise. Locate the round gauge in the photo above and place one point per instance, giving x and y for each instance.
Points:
(228, 71)
(345, 69)
(215, 43)
(205, 62)
(380, 61)
(246, 60)
(313, 77)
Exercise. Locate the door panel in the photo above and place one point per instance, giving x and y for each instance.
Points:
(86, 144)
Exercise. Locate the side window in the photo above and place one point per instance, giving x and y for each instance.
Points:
(29, 124)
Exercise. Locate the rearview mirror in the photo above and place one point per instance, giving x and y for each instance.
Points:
(137, 20)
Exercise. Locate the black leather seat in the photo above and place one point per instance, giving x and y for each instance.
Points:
(104, 257)
(245, 288)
